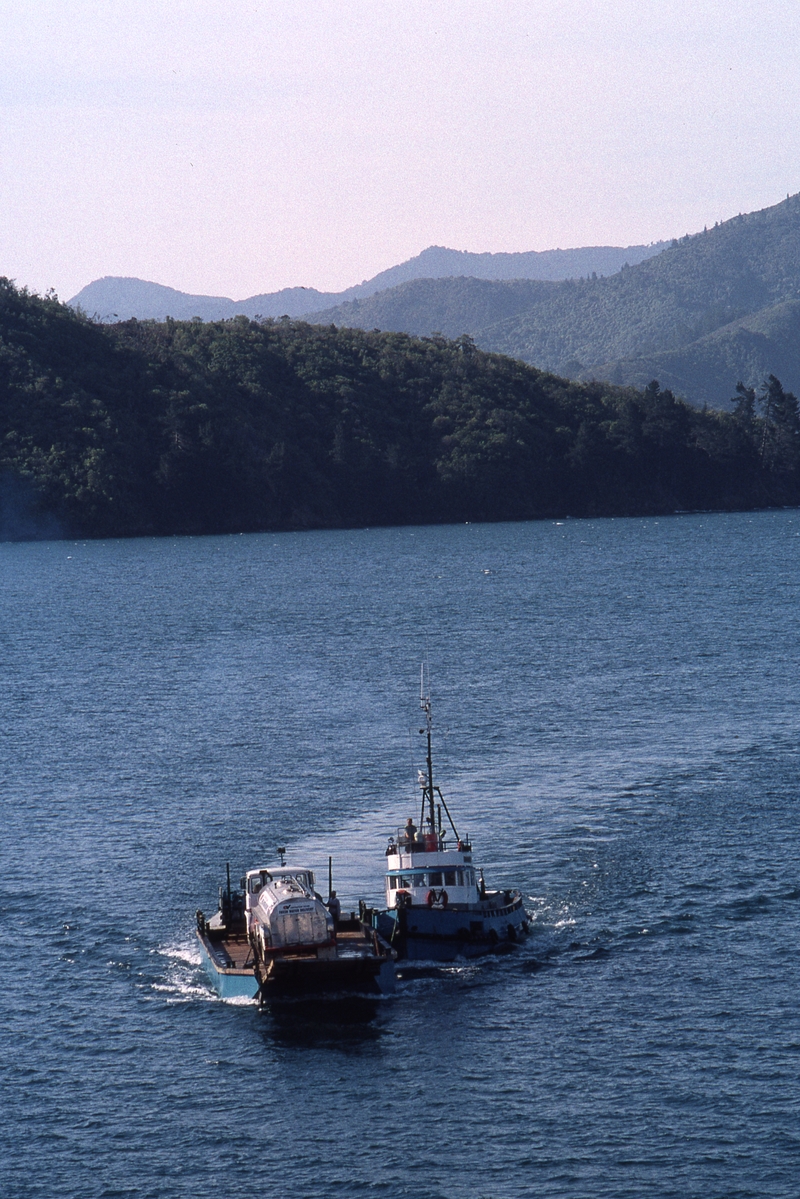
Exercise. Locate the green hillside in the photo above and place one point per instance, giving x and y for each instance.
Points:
(621, 327)
(192, 427)
(450, 307)
(765, 342)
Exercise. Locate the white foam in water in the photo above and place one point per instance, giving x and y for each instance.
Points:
(188, 953)
(185, 980)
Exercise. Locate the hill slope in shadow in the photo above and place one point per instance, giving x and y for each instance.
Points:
(706, 311)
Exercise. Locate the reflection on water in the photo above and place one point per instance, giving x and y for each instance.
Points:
(350, 1023)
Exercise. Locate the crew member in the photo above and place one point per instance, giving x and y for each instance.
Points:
(334, 907)
(409, 833)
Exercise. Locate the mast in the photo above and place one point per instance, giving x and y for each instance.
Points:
(426, 782)
(425, 704)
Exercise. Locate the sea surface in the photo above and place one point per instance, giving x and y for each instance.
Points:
(617, 724)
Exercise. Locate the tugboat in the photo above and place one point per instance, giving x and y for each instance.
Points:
(277, 938)
(437, 905)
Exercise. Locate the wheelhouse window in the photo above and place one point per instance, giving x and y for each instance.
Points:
(449, 878)
(435, 878)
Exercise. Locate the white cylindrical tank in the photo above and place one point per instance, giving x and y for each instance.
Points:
(288, 915)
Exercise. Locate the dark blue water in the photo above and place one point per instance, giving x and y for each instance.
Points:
(617, 720)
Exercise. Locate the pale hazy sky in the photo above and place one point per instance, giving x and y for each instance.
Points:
(238, 146)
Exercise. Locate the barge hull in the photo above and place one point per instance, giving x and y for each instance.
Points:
(229, 981)
(363, 965)
(298, 976)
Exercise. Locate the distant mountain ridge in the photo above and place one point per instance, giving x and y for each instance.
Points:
(698, 315)
(116, 298)
(707, 311)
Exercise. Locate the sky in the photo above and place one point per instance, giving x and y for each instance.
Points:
(233, 147)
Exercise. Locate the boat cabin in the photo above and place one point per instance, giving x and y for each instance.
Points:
(422, 868)
(254, 880)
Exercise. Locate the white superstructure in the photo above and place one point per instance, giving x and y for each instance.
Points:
(424, 870)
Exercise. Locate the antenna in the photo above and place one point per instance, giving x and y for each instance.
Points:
(425, 704)
(426, 782)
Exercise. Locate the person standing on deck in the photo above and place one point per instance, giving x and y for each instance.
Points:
(409, 833)
(334, 907)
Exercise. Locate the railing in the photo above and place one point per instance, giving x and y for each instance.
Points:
(425, 842)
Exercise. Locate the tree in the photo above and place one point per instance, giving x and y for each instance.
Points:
(744, 406)
(780, 434)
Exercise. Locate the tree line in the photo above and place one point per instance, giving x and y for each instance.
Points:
(171, 427)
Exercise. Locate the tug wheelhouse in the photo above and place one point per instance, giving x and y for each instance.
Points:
(436, 876)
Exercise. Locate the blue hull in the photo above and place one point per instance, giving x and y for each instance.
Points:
(229, 984)
(444, 934)
(360, 974)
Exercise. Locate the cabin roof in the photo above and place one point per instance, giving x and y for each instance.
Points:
(279, 871)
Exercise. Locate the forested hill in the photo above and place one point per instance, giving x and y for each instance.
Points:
(714, 308)
(186, 427)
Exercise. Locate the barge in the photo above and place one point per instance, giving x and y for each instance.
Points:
(275, 938)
